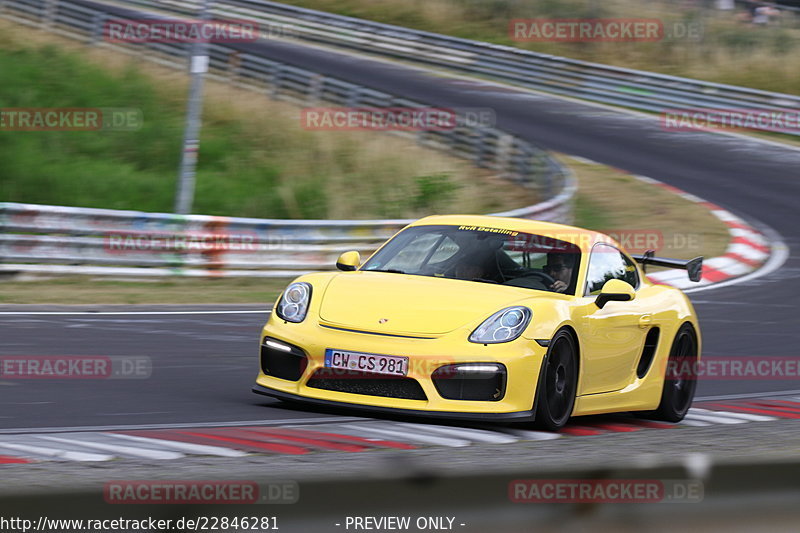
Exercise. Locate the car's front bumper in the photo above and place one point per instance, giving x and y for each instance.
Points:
(522, 359)
(518, 416)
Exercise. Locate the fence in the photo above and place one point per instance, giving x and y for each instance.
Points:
(63, 240)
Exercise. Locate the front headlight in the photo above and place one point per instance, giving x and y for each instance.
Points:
(503, 326)
(293, 304)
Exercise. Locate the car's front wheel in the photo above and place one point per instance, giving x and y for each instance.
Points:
(558, 383)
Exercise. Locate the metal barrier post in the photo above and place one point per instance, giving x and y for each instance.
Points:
(98, 21)
(49, 10)
(184, 196)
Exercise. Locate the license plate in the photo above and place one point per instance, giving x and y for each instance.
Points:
(366, 362)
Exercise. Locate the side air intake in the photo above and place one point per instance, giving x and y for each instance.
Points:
(649, 352)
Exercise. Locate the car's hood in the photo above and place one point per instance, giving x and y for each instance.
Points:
(398, 303)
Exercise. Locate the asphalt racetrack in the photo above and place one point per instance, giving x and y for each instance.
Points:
(205, 364)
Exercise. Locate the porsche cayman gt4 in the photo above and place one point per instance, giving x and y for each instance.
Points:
(479, 317)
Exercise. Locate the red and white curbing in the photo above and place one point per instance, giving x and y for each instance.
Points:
(170, 443)
(747, 250)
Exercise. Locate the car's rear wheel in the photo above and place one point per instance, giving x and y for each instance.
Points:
(680, 380)
(558, 383)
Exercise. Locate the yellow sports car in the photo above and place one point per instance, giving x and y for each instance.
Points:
(481, 317)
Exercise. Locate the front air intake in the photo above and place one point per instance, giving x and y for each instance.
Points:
(282, 360)
(471, 381)
(367, 384)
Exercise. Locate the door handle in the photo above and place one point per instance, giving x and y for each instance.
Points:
(645, 321)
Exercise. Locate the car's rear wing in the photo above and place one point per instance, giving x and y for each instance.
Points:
(694, 267)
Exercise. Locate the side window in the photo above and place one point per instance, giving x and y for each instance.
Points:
(605, 263)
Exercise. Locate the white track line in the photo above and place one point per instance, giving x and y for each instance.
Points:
(690, 422)
(403, 435)
(743, 416)
(478, 435)
(767, 394)
(195, 449)
(532, 435)
(583, 160)
(144, 453)
(295, 421)
(716, 419)
(56, 453)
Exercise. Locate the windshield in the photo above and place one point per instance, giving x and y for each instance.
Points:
(482, 255)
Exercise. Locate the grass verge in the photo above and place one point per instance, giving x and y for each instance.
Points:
(616, 203)
(255, 159)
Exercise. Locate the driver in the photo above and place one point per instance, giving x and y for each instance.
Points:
(477, 257)
(559, 266)
(471, 267)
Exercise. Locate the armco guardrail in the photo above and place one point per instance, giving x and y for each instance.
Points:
(54, 239)
(59, 239)
(634, 89)
(73, 240)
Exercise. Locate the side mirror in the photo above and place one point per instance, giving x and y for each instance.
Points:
(348, 261)
(615, 290)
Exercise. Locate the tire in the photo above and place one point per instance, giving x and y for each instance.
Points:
(680, 380)
(558, 383)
